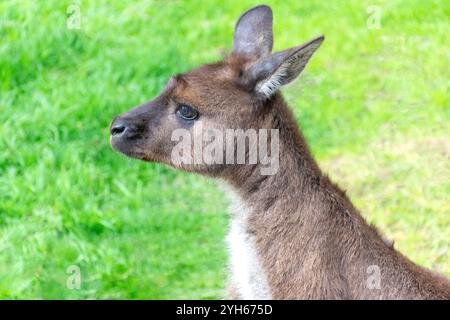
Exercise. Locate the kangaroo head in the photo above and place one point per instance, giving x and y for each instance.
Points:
(236, 93)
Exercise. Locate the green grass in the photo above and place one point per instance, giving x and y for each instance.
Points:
(374, 105)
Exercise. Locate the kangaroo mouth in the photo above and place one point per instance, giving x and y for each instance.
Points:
(126, 147)
(125, 137)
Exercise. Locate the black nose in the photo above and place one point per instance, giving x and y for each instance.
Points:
(118, 128)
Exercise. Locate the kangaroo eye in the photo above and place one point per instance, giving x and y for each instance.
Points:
(187, 112)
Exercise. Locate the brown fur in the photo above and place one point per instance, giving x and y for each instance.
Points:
(312, 242)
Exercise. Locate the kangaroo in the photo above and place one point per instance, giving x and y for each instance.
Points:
(294, 234)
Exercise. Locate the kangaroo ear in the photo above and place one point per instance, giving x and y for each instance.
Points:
(253, 32)
(268, 74)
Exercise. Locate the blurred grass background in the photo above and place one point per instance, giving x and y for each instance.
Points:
(373, 104)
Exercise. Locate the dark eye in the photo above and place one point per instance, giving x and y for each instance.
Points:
(187, 112)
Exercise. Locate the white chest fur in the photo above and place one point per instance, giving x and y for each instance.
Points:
(247, 275)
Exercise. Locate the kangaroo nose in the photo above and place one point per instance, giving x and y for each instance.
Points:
(118, 128)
